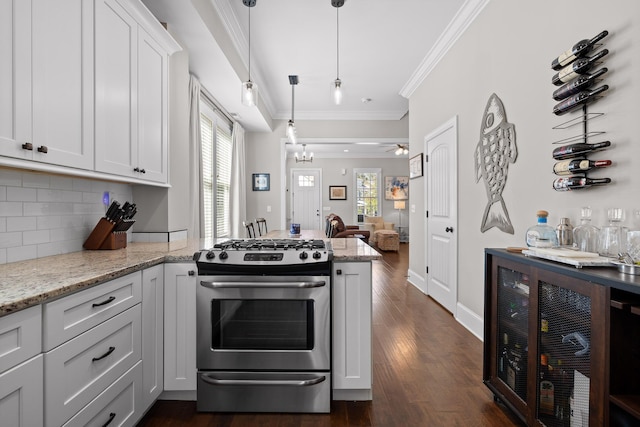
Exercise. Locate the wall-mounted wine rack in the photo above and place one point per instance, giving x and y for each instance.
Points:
(578, 85)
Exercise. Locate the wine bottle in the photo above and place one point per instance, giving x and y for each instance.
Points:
(578, 84)
(579, 49)
(579, 66)
(577, 183)
(578, 149)
(571, 166)
(577, 100)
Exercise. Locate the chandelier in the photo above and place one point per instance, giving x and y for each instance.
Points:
(304, 158)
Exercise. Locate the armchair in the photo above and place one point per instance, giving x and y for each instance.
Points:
(378, 224)
(336, 228)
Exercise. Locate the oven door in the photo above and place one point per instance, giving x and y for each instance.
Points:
(266, 323)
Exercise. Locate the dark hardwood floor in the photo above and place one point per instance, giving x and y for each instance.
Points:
(427, 370)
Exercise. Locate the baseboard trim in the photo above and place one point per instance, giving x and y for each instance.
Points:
(418, 281)
(470, 320)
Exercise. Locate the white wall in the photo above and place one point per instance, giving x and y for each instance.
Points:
(508, 50)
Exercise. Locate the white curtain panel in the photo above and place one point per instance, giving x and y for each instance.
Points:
(238, 196)
(196, 226)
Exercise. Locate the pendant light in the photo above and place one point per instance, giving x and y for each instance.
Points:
(305, 158)
(291, 126)
(249, 88)
(336, 85)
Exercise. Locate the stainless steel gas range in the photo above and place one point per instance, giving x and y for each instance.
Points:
(264, 326)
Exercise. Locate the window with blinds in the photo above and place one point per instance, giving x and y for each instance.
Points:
(216, 172)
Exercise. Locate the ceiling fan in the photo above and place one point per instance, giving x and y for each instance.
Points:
(400, 149)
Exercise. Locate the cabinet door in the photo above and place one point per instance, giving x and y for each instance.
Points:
(21, 397)
(506, 340)
(570, 351)
(180, 326)
(152, 334)
(115, 89)
(351, 326)
(152, 108)
(62, 82)
(15, 82)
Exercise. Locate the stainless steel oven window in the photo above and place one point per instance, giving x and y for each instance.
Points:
(262, 324)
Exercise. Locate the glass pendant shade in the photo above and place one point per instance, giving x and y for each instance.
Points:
(291, 132)
(336, 88)
(249, 93)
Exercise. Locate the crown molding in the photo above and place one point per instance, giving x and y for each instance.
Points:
(458, 25)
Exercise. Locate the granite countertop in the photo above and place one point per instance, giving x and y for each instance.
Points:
(27, 283)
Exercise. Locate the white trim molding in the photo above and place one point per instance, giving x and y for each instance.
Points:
(458, 25)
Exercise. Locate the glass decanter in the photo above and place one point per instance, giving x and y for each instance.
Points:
(613, 237)
(585, 235)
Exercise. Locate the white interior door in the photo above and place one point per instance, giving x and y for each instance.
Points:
(306, 198)
(442, 216)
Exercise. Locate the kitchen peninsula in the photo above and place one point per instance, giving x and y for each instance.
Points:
(68, 307)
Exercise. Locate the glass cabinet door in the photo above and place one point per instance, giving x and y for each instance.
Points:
(564, 350)
(512, 322)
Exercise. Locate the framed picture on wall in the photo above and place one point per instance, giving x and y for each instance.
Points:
(261, 182)
(337, 192)
(415, 166)
(396, 187)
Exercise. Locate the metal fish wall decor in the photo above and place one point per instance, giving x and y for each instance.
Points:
(495, 150)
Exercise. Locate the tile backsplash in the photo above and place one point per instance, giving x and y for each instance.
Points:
(43, 214)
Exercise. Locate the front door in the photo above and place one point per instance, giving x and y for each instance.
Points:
(306, 198)
(442, 214)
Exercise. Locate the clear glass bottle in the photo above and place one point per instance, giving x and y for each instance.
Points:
(541, 235)
(585, 235)
(564, 230)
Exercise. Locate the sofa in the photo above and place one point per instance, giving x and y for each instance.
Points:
(336, 228)
(376, 223)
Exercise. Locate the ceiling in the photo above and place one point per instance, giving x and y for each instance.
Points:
(382, 45)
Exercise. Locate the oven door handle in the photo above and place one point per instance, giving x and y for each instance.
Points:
(210, 379)
(259, 284)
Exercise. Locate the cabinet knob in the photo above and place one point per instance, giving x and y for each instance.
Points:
(338, 272)
(136, 169)
(27, 146)
(143, 171)
(191, 273)
(43, 149)
(449, 229)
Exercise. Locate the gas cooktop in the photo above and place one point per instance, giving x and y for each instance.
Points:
(265, 252)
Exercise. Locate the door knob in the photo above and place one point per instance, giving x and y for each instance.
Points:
(449, 229)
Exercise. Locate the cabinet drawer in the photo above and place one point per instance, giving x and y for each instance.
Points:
(20, 336)
(70, 316)
(21, 395)
(79, 370)
(118, 405)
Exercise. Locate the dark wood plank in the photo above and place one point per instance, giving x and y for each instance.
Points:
(427, 370)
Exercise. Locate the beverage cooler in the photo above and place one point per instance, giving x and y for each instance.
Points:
(540, 346)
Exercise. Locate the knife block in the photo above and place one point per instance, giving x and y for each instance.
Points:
(104, 235)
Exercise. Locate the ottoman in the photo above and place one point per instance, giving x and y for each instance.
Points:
(388, 240)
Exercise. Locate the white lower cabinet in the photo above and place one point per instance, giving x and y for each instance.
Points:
(80, 369)
(116, 405)
(352, 367)
(152, 334)
(180, 326)
(21, 395)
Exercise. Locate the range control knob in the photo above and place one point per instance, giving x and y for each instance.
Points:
(317, 255)
(304, 255)
(223, 255)
(210, 255)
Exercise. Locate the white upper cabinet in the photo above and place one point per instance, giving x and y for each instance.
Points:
(15, 84)
(116, 89)
(131, 93)
(62, 82)
(83, 88)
